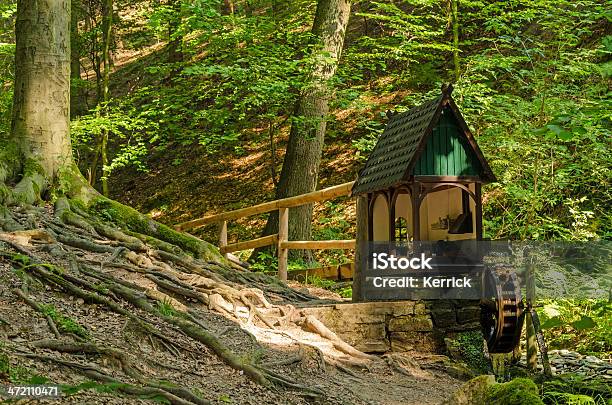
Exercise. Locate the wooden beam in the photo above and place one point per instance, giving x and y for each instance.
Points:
(363, 220)
(250, 244)
(316, 196)
(283, 235)
(223, 236)
(415, 198)
(318, 244)
(478, 206)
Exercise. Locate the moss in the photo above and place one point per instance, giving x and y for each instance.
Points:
(133, 220)
(31, 167)
(520, 391)
(10, 160)
(471, 349)
(473, 392)
(5, 193)
(64, 323)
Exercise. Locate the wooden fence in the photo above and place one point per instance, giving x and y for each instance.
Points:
(281, 238)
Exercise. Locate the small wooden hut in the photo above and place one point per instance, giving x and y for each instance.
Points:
(423, 179)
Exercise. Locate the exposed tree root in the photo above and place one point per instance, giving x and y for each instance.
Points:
(37, 307)
(174, 395)
(145, 263)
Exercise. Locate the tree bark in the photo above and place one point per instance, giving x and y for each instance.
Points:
(455, 23)
(300, 170)
(175, 46)
(107, 32)
(41, 101)
(76, 104)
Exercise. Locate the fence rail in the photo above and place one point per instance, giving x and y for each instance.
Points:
(281, 238)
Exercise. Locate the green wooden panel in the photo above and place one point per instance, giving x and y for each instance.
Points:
(447, 152)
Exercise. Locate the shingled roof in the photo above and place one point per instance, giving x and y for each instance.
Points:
(403, 141)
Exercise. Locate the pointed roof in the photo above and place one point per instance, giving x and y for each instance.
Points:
(403, 141)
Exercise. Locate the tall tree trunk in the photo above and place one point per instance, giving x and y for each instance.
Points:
(303, 156)
(107, 32)
(41, 101)
(76, 103)
(175, 46)
(455, 23)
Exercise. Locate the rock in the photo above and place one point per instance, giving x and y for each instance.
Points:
(80, 301)
(473, 392)
(421, 323)
(459, 371)
(520, 391)
(468, 315)
(421, 341)
(452, 347)
(420, 308)
(609, 372)
(444, 318)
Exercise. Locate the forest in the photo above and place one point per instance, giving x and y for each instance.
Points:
(189, 196)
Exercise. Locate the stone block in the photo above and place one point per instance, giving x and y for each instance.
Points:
(468, 314)
(466, 327)
(408, 323)
(377, 346)
(407, 341)
(365, 333)
(403, 308)
(420, 308)
(444, 318)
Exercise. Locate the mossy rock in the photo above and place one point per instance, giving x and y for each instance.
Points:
(473, 392)
(520, 391)
(483, 390)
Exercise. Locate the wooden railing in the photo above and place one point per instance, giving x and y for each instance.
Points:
(281, 238)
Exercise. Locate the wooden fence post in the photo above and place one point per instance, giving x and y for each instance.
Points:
(223, 237)
(360, 243)
(283, 236)
(532, 351)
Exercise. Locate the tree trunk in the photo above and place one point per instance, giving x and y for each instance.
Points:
(455, 23)
(76, 104)
(175, 46)
(300, 170)
(41, 103)
(107, 30)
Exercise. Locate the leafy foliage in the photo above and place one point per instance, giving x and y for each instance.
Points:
(585, 326)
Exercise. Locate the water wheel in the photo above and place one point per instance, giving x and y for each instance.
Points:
(501, 310)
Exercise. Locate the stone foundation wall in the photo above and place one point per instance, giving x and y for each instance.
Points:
(399, 326)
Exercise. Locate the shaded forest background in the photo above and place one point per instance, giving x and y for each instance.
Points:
(201, 98)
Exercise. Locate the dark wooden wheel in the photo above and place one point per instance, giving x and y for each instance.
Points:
(501, 310)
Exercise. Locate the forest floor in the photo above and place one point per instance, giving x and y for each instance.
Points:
(34, 349)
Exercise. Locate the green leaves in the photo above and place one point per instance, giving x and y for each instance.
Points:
(582, 325)
(553, 322)
(585, 322)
